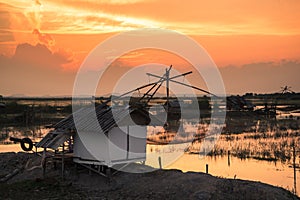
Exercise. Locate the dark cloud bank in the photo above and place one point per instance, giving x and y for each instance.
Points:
(35, 70)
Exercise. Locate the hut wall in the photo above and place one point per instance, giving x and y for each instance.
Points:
(91, 146)
(127, 143)
(94, 147)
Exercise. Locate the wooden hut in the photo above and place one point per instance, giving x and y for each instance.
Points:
(102, 135)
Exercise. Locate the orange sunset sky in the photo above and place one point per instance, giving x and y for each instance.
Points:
(255, 44)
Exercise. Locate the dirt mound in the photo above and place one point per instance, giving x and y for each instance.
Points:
(79, 183)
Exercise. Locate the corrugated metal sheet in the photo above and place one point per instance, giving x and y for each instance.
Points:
(106, 117)
(54, 139)
(88, 119)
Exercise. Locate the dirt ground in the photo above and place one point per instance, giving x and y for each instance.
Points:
(29, 183)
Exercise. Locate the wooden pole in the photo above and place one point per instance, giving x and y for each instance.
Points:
(108, 173)
(63, 162)
(167, 87)
(159, 162)
(294, 166)
(228, 158)
(44, 162)
(127, 150)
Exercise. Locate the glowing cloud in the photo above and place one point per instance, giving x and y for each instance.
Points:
(44, 38)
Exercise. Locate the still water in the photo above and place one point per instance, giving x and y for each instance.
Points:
(274, 173)
(249, 169)
(255, 144)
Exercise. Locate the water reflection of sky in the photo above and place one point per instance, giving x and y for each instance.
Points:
(278, 174)
(274, 173)
(257, 137)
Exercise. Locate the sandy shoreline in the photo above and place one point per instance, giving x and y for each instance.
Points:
(160, 184)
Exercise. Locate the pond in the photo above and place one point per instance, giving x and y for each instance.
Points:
(277, 174)
(253, 149)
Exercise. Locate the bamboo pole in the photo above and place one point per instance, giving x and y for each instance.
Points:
(63, 162)
(294, 166)
(159, 162)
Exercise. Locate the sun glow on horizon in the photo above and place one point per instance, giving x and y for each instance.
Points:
(236, 34)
